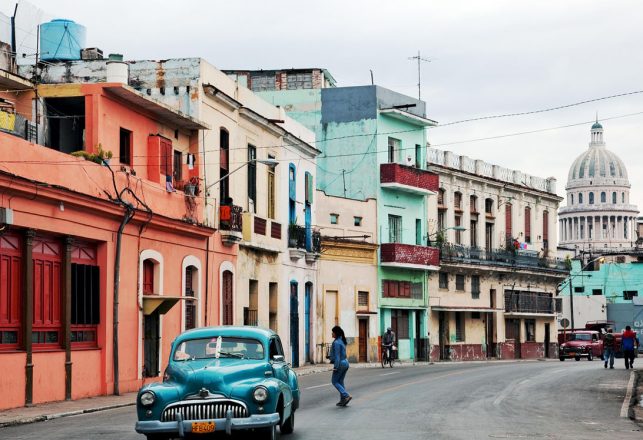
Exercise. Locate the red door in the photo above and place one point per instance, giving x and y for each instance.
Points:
(227, 311)
(363, 339)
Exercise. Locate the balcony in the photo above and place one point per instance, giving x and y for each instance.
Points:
(302, 242)
(408, 179)
(450, 253)
(261, 234)
(250, 317)
(409, 256)
(529, 303)
(230, 224)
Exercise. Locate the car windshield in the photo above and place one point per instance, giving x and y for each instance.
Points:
(580, 337)
(230, 347)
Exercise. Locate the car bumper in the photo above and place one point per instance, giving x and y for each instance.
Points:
(227, 424)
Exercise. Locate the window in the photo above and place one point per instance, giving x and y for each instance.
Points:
(458, 233)
(508, 221)
(125, 147)
(459, 327)
(530, 330)
(580, 198)
(394, 229)
(47, 291)
(622, 197)
(362, 300)
(571, 199)
(10, 290)
(597, 291)
(443, 280)
(334, 219)
(190, 303)
(603, 197)
(393, 148)
(148, 277)
(475, 286)
(488, 207)
(591, 198)
(441, 214)
(459, 282)
(614, 198)
(579, 289)
(545, 230)
(300, 81)
(252, 178)
(441, 193)
(418, 155)
(357, 221)
(418, 231)
(457, 201)
(397, 289)
(400, 323)
(260, 83)
(165, 151)
(416, 291)
(308, 188)
(85, 303)
(224, 165)
(178, 166)
(628, 295)
(292, 193)
(473, 233)
(527, 224)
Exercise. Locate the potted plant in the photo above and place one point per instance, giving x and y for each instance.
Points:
(191, 187)
(101, 157)
(293, 230)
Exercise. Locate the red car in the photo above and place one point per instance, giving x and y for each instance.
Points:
(580, 343)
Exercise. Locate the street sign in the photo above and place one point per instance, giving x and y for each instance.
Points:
(564, 322)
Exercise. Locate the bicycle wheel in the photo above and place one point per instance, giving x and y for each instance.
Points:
(383, 358)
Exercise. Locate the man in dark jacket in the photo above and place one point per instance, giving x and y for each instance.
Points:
(609, 347)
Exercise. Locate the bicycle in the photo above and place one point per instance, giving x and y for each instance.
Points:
(387, 356)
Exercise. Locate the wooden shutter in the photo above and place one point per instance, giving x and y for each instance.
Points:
(508, 220)
(148, 277)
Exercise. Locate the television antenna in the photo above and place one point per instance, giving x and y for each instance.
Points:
(419, 59)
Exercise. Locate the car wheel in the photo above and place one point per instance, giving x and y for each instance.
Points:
(562, 359)
(577, 358)
(590, 357)
(289, 424)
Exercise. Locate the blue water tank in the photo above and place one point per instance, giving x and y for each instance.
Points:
(61, 40)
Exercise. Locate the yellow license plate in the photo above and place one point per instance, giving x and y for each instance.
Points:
(202, 427)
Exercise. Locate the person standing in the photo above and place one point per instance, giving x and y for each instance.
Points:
(609, 347)
(338, 358)
(628, 343)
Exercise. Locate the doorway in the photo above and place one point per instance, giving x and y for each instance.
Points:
(489, 332)
(419, 351)
(443, 330)
(151, 342)
(547, 340)
(512, 331)
(294, 324)
(307, 306)
(363, 340)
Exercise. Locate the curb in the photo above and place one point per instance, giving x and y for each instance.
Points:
(46, 417)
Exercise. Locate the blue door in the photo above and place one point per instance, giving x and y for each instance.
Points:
(309, 229)
(307, 304)
(294, 324)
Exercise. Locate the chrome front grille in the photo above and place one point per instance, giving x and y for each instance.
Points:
(204, 410)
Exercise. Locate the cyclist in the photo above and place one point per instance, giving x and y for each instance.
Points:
(388, 341)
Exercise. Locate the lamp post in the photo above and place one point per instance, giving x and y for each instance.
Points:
(571, 291)
(268, 162)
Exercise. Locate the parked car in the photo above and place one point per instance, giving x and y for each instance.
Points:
(580, 343)
(221, 379)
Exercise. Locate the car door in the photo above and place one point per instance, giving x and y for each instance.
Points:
(277, 360)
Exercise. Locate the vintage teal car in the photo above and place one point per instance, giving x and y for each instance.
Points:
(219, 380)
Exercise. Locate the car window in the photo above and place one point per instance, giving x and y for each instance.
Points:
(204, 348)
(580, 337)
(275, 347)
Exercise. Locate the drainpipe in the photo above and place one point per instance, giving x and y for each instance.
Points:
(129, 213)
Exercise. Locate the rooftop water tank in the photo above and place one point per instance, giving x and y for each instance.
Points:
(61, 40)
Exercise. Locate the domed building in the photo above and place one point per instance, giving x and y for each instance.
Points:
(598, 212)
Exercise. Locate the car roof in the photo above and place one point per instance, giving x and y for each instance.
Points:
(262, 334)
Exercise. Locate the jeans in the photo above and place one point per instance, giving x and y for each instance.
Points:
(609, 354)
(338, 380)
(628, 355)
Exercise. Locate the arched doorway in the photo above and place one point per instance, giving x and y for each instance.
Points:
(227, 302)
(191, 284)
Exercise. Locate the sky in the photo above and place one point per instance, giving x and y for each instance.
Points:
(487, 58)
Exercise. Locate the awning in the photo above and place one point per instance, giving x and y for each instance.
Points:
(160, 303)
(465, 309)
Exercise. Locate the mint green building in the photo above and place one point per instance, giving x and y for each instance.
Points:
(373, 142)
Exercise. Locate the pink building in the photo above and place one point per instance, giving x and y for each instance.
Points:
(68, 224)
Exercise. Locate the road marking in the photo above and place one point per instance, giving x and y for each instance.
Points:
(505, 392)
(524, 381)
(562, 370)
(388, 374)
(625, 409)
(318, 386)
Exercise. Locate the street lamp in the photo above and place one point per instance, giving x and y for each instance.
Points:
(268, 162)
(441, 232)
(571, 292)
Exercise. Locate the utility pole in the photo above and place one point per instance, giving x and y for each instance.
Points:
(419, 60)
(571, 302)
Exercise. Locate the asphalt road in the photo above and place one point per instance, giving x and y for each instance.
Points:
(496, 400)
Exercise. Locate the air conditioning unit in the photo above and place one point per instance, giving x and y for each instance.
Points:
(6, 216)
(91, 53)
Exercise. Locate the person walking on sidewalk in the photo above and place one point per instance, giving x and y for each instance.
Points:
(338, 358)
(628, 343)
(609, 347)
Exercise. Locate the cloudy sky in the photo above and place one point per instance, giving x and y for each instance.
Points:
(488, 57)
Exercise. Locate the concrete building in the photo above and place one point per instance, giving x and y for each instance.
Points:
(96, 259)
(495, 293)
(373, 142)
(347, 295)
(598, 216)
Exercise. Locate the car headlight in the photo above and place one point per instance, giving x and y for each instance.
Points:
(260, 394)
(147, 398)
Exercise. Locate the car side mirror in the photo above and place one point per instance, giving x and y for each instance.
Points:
(278, 358)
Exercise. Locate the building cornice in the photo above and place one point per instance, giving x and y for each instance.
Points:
(341, 250)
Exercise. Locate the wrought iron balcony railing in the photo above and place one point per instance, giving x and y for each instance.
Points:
(529, 302)
(300, 237)
(451, 253)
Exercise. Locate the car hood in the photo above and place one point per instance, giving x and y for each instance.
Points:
(217, 375)
(577, 343)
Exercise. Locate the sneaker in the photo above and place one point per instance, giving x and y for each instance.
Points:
(612, 367)
(342, 402)
(605, 365)
(346, 400)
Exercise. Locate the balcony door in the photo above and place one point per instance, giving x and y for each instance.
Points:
(394, 229)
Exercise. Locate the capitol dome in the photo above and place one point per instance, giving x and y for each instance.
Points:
(598, 213)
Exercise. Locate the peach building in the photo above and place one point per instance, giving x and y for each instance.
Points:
(98, 259)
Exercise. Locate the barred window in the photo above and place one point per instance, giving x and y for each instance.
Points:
(416, 291)
(444, 280)
(475, 286)
(459, 327)
(459, 282)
